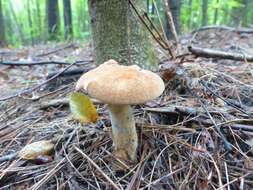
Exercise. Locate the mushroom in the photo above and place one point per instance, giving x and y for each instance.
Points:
(120, 86)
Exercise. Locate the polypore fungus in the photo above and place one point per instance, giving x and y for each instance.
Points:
(120, 86)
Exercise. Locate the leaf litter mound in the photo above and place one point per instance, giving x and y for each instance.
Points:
(197, 135)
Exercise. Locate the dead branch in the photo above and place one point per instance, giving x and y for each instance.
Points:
(30, 63)
(8, 157)
(212, 53)
(237, 30)
(161, 42)
(223, 99)
(56, 50)
(70, 73)
(98, 168)
(171, 21)
(29, 90)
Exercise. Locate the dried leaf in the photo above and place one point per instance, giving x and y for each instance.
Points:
(82, 108)
(33, 150)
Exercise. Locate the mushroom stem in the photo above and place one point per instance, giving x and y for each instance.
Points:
(124, 133)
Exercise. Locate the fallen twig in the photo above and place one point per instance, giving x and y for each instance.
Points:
(212, 53)
(223, 99)
(171, 21)
(8, 157)
(30, 63)
(70, 73)
(98, 168)
(161, 42)
(56, 50)
(37, 86)
(238, 30)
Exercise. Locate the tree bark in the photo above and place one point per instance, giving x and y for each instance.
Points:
(68, 31)
(2, 30)
(204, 12)
(175, 11)
(53, 19)
(190, 14)
(39, 31)
(216, 13)
(18, 28)
(30, 21)
(117, 34)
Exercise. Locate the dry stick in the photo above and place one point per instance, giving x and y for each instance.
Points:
(30, 63)
(72, 72)
(8, 157)
(159, 18)
(98, 168)
(56, 50)
(163, 177)
(171, 21)
(227, 144)
(153, 27)
(217, 170)
(49, 175)
(234, 180)
(211, 53)
(139, 171)
(223, 99)
(37, 86)
(226, 171)
(161, 42)
(224, 28)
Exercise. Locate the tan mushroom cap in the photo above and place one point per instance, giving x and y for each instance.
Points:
(112, 83)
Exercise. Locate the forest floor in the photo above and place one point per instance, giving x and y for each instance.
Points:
(197, 135)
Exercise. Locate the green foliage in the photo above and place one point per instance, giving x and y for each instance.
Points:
(20, 32)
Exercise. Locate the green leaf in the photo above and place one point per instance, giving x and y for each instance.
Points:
(82, 108)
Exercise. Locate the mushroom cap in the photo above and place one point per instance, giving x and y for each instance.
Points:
(112, 83)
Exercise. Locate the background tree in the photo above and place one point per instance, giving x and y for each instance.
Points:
(215, 18)
(29, 14)
(189, 22)
(240, 12)
(53, 19)
(204, 21)
(38, 19)
(68, 32)
(2, 30)
(117, 33)
(175, 11)
(26, 22)
(18, 28)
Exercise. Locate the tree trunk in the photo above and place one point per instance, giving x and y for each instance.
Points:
(204, 12)
(175, 11)
(30, 21)
(216, 13)
(53, 19)
(39, 30)
(18, 29)
(117, 34)
(190, 14)
(2, 30)
(67, 19)
(246, 12)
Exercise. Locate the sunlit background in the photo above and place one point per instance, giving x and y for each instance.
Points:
(26, 20)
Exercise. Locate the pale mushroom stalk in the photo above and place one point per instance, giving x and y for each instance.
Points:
(123, 132)
(120, 86)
